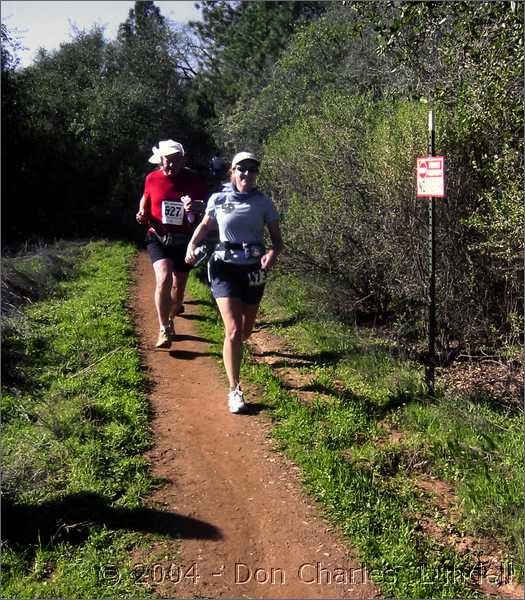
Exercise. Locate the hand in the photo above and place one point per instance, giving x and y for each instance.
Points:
(141, 216)
(190, 255)
(268, 260)
(188, 203)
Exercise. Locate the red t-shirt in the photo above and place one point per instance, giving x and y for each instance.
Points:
(163, 206)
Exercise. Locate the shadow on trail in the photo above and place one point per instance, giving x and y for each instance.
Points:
(184, 337)
(254, 408)
(196, 318)
(189, 355)
(199, 302)
(71, 519)
(302, 360)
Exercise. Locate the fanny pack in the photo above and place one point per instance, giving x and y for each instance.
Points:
(251, 250)
(172, 239)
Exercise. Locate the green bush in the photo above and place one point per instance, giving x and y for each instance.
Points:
(344, 181)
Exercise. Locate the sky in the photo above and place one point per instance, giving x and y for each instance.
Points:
(48, 24)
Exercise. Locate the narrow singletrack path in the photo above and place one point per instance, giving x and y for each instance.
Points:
(250, 529)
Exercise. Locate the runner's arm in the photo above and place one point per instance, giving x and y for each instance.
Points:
(198, 236)
(141, 214)
(268, 259)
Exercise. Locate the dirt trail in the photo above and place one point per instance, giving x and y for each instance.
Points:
(246, 528)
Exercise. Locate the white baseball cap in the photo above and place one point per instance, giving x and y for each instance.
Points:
(240, 156)
(166, 148)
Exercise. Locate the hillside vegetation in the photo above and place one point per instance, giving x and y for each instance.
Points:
(75, 425)
(334, 97)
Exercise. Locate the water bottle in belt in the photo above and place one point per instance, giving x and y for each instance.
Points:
(200, 253)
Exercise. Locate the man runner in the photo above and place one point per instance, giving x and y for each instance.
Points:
(173, 200)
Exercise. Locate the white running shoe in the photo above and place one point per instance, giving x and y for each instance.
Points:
(236, 402)
(164, 340)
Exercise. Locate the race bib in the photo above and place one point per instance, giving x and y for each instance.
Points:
(172, 212)
(256, 278)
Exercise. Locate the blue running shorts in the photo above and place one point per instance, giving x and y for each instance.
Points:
(228, 280)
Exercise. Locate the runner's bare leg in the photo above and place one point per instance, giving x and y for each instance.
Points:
(249, 314)
(163, 269)
(231, 313)
(177, 291)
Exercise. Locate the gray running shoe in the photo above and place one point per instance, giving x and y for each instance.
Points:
(170, 330)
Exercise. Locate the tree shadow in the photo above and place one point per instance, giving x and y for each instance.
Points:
(197, 318)
(280, 322)
(311, 387)
(199, 303)
(190, 355)
(302, 360)
(396, 400)
(186, 337)
(291, 365)
(370, 408)
(71, 519)
(280, 354)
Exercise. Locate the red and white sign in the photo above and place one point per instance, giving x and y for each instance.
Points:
(430, 177)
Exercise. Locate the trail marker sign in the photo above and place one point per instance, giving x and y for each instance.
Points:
(430, 177)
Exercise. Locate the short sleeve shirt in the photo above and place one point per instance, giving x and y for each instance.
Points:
(163, 200)
(241, 217)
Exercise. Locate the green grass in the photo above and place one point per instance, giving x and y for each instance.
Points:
(479, 450)
(362, 477)
(75, 428)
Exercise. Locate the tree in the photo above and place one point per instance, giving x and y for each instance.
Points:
(12, 118)
(238, 44)
(92, 111)
(332, 52)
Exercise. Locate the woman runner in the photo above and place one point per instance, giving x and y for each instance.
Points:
(238, 267)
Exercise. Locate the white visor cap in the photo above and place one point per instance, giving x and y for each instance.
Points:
(240, 156)
(166, 148)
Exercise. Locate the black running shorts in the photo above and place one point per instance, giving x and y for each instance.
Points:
(157, 251)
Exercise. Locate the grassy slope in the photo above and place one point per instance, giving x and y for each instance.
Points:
(75, 427)
(363, 478)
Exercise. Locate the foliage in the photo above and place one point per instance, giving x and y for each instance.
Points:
(470, 64)
(342, 221)
(92, 110)
(300, 77)
(237, 46)
(13, 114)
(10, 47)
(361, 390)
(75, 427)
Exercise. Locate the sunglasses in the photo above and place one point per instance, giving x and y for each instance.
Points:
(248, 168)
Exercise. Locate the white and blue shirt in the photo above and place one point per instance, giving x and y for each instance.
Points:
(241, 218)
